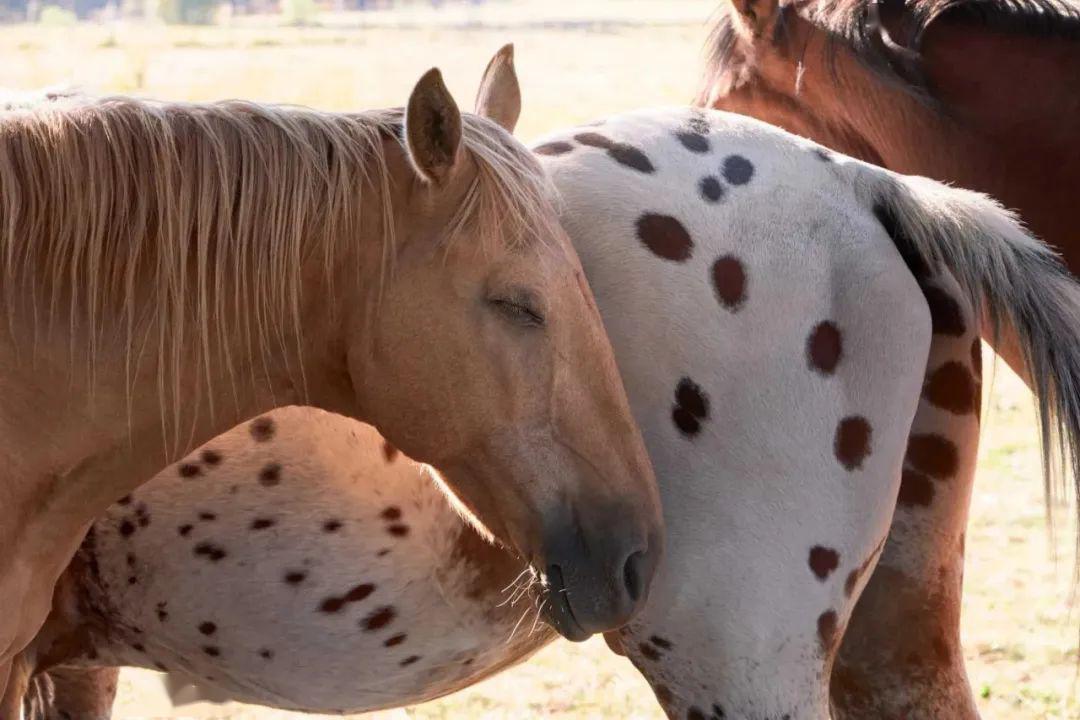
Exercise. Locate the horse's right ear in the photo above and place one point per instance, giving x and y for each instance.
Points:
(756, 14)
(433, 129)
(499, 96)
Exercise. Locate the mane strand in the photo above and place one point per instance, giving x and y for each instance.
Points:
(181, 229)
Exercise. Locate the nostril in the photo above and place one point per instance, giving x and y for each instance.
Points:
(634, 575)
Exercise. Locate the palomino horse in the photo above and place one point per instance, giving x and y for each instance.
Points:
(980, 93)
(171, 270)
(775, 348)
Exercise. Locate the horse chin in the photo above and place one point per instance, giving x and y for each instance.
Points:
(614, 641)
(560, 617)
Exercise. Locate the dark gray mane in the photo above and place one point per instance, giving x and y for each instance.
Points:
(1042, 18)
(856, 24)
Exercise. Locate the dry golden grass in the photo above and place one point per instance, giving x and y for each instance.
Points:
(1020, 639)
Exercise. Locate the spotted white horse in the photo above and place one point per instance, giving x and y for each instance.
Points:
(796, 331)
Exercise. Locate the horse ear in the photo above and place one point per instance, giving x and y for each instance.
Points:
(499, 96)
(757, 14)
(433, 129)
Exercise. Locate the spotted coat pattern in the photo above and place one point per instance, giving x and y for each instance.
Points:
(789, 345)
(787, 353)
(358, 585)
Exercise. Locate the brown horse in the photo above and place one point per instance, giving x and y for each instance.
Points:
(171, 270)
(980, 93)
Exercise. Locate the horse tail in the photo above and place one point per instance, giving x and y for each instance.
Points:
(1011, 279)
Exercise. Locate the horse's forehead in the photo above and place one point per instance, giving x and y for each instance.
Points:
(549, 265)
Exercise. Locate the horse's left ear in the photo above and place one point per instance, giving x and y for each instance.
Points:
(499, 96)
(757, 14)
(433, 128)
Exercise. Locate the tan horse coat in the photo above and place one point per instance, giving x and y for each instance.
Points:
(171, 270)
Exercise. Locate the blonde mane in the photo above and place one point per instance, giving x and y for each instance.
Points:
(179, 228)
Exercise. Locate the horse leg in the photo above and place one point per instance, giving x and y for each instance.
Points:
(901, 656)
(5, 673)
(5, 678)
(11, 705)
(28, 581)
(84, 693)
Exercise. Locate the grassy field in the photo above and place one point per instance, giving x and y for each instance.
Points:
(1019, 632)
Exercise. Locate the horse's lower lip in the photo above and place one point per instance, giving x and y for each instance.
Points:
(561, 617)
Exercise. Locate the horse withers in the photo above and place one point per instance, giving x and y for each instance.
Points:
(171, 270)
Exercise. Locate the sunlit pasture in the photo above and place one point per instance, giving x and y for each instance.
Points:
(1020, 635)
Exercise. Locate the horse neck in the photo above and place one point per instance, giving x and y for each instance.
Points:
(1004, 123)
(89, 445)
(1012, 138)
(1017, 134)
(204, 283)
(111, 427)
(99, 400)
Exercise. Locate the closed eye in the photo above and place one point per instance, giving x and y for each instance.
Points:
(519, 312)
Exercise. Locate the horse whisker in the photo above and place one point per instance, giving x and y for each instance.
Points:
(516, 626)
(516, 579)
(539, 610)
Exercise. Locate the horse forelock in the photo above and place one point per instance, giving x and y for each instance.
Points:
(186, 226)
(855, 24)
(509, 204)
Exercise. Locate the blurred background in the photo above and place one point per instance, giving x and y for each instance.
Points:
(577, 60)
